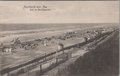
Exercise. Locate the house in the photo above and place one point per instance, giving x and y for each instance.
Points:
(6, 49)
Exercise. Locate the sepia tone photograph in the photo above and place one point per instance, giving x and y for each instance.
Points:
(59, 38)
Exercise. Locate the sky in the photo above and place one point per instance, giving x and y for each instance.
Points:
(60, 12)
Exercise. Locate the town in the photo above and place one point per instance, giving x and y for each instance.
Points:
(29, 53)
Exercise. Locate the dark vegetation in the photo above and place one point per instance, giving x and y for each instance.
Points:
(102, 61)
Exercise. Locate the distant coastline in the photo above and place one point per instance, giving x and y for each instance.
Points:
(23, 26)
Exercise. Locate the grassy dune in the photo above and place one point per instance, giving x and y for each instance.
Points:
(103, 61)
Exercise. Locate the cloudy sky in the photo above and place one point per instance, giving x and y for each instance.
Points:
(61, 12)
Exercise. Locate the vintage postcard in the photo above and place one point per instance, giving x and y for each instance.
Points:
(59, 38)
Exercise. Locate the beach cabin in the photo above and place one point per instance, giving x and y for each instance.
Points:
(60, 46)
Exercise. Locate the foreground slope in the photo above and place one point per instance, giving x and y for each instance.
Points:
(102, 61)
